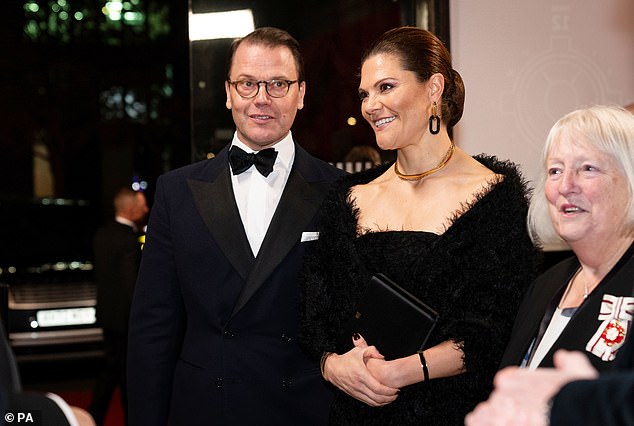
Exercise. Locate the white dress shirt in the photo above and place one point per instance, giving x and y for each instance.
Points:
(558, 323)
(258, 196)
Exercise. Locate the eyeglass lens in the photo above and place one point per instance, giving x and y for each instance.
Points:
(249, 88)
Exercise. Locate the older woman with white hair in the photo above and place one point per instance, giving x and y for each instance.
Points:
(585, 198)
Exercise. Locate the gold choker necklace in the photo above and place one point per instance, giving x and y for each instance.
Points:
(419, 176)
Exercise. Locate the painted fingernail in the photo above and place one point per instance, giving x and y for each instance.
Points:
(356, 336)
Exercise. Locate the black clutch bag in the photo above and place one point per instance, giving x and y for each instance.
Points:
(390, 318)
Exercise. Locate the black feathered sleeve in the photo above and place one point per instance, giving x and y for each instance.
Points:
(489, 262)
(331, 270)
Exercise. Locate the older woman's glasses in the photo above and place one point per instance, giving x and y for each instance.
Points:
(251, 88)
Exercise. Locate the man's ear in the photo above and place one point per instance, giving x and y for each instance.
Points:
(228, 91)
(302, 92)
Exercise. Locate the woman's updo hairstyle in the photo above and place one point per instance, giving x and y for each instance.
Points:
(424, 54)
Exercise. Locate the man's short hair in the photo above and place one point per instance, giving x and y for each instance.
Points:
(269, 37)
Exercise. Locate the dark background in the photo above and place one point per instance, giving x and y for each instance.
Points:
(333, 36)
(115, 103)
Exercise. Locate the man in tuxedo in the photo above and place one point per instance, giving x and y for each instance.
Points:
(117, 255)
(213, 328)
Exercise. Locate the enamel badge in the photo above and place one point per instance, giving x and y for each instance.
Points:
(616, 315)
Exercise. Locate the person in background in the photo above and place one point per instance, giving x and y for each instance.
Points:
(213, 330)
(446, 226)
(585, 197)
(117, 255)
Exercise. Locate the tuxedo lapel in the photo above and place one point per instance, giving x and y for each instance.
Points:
(297, 207)
(216, 205)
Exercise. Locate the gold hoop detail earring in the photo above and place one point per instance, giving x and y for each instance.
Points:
(434, 120)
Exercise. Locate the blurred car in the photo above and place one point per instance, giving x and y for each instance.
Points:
(48, 294)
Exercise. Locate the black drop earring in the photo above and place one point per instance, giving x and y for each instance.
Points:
(434, 120)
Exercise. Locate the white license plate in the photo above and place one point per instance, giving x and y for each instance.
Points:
(71, 316)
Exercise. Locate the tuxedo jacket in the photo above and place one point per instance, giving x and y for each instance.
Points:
(546, 292)
(213, 330)
(117, 254)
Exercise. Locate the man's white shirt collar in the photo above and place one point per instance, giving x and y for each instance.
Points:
(124, 221)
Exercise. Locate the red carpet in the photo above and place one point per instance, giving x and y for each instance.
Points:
(82, 399)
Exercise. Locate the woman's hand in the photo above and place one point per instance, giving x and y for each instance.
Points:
(443, 360)
(384, 372)
(350, 374)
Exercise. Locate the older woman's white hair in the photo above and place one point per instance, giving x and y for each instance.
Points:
(609, 129)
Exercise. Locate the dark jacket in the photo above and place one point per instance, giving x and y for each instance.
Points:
(544, 295)
(213, 330)
(117, 256)
(607, 401)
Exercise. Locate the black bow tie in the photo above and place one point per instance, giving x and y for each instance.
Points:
(241, 161)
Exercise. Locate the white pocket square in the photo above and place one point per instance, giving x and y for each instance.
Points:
(309, 236)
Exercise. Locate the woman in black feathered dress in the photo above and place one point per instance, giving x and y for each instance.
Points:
(454, 236)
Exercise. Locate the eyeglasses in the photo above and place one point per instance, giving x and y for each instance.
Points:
(250, 88)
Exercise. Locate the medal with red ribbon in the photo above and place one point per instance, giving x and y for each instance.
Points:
(616, 315)
(614, 333)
